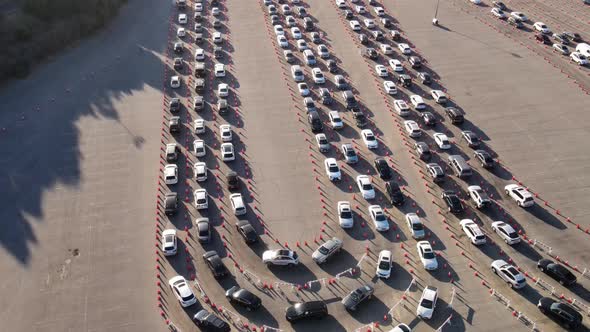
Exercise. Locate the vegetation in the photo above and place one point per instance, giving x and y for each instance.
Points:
(41, 28)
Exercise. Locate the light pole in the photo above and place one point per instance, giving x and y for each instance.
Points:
(435, 19)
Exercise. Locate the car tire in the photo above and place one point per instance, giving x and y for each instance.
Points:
(541, 269)
(507, 192)
(542, 310)
(248, 308)
(510, 284)
(561, 282)
(494, 270)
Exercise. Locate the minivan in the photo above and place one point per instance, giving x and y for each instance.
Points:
(459, 166)
(315, 122)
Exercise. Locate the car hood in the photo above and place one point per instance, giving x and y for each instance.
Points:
(267, 255)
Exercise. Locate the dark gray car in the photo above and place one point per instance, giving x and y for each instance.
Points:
(352, 300)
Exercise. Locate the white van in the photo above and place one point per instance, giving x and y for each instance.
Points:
(584, 49)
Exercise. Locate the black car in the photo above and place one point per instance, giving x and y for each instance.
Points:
(359, 118)
(452, 201)
(573, 36)
(210, 322)
(395, 193)
(352, 300)
(436, 172)
(305, 310)
(332, 66)
(215, 264)
(325, 96)
(516, 23)
(500, 5)
(171, 203)
(172, 152)
(386, 23)
(383, 168)
(174, 105)
(233, 181)
(348, 14)
(405, 80)
(178, 63)
(562, 38)
(557, 272)
(563, 313)
(313, 118)
(178, 48)
(247, 231)
(218, 52)
(428, 119)
(423, 150)
(200, 69)
(370, 53)
(243, 297)
(543, 39)
(425, 78)
(455, 115)
(315, 38)
(485, 159)
(216, 24)
(363, 38)
(351, 102)
(415, 62)
(471, 138)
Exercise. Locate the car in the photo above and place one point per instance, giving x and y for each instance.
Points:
(378, 217)
(215, 264)
(174, 105)
(198, 103)
(425, 78)
(172, 152)
(520, 194)
(390, 87)
(515, 22)
(297, 73)
(201, 199)
(499, 13)
(386, 23)
(357, 296)
(365, 186)
(427, 255)
(369, 23)
(401, 328)
(332, 66)
(178, 48)
(325, 96)
(579, 58)
(289, 57)
(301, 11)
(543, 39)
(415, 226)
(280, 257)
(479, 197)
(455, 115)
(170, 203)
(222, 106)
(303, 89)
(384, 264)
(442, 141)
(315, 37)
(396, 65)
(340, 82)
(508, 273)
(182, 18)
(291, 22)
(452, 202)
(428, 119)
(219, 70)
(199, 148)
(499, 5)
(417, 102)
(394, 192)
(323, 51)
(359, 118)
(327, 250)
(243, 298)
(412, 128)
(286, 9)
(275, 19)
(562, 49)
(169, 244)
(383, 168)
(200, 54)
(360, 9)
(237, 204)
(377, 35)
(222, 90)
(405, 80)
(182, 291)
(401, 107)
(247, 231)
(216, 24)
(557, 272)
(210, 322)
(332, 169)
(322, 142)
(335, 120)
(233, 181)
(215, 11)
(439, 96)
(341, 3)
(563, 313)
(386, 49)
(217, 37)
(476, 2)
(484, 158)
(541, 27)
(318, 76)
(175, 82)
(436, 172)
(370, 53)
(381, 71)
(200, 170)
(355, 25)
(363, 39)
(506, 232)
(296, 33)
(369, 139)
(171, 174)
(404, 48)
(315, 123)
(423, 151)
(473, 232)
(272, 9)
(306, 310)
(573, 36)
(345, 215)
(227, 152)
(350, 100)
(350, 155)
(471, 138)
(561, 38)
(427, 303)
(178, 64)
(379, 11)
(282, 41)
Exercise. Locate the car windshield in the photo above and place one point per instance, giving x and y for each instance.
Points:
(350, 153)
(384, 265)
(188, 298)
(429, 255)
(346, 214)
(323, 141)
(379, 217)
(367, 186)
(426, 304)
(323, 250)
(417, 226)
(333, 169)
(513, 235)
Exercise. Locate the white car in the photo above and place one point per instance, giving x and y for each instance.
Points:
(479, 197)
(227, 152)
(390, 87)
(384, 264)
(439, 96)
(379, 219)
(201, 199)
(401, 328)
(396, 65)
(296, 33)
(237, 204)
(386, 49)
(379, 11)
(303, 89)
(519, 16)
(322, 142)
(381, 70)
(215, 11)
(217, 38)
(182, 291)
(506, 232)
(222, 90)
(219, 70)
(498, 13)
(473, 232)
(365, 186)
(542, 27)
(302, 45)
(286, 9)
(404, 48)
(182, 19)
(171, 174)
(341, 4)
(369, 139)
(280, 257)
(427, 303)
(169, 244)
(360, 9)
(427, 255)
(198, 7)
(279, 31)
(225, 133)
(417, 102)
(442, 141)
(412, 128)
(355, 25)
(518, 193)
(345, 215)
(200, 170)
(175, 82)
(332, 169)
(199, 148)
(579, 58)
(200, 54)
(199, 126)
(323, 51)
(318, 76)
(335, 120)
(415, 226)
(181, 32)
(282, 40)
(476, 2)
(369, 23)
(401, 107)
(291, 21)
(508, 273)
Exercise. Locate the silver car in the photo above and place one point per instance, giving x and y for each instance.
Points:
(327, 250)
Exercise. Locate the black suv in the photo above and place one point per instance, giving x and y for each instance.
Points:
(557, 272)
(210, 322)
(305, 310)
(543, 39)
(562, 313)
(405, 80)
(485, 159)
(313, 118)
(424, 78)
(370, 53)
(359, 118)
(455, 115)
(395, 193)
